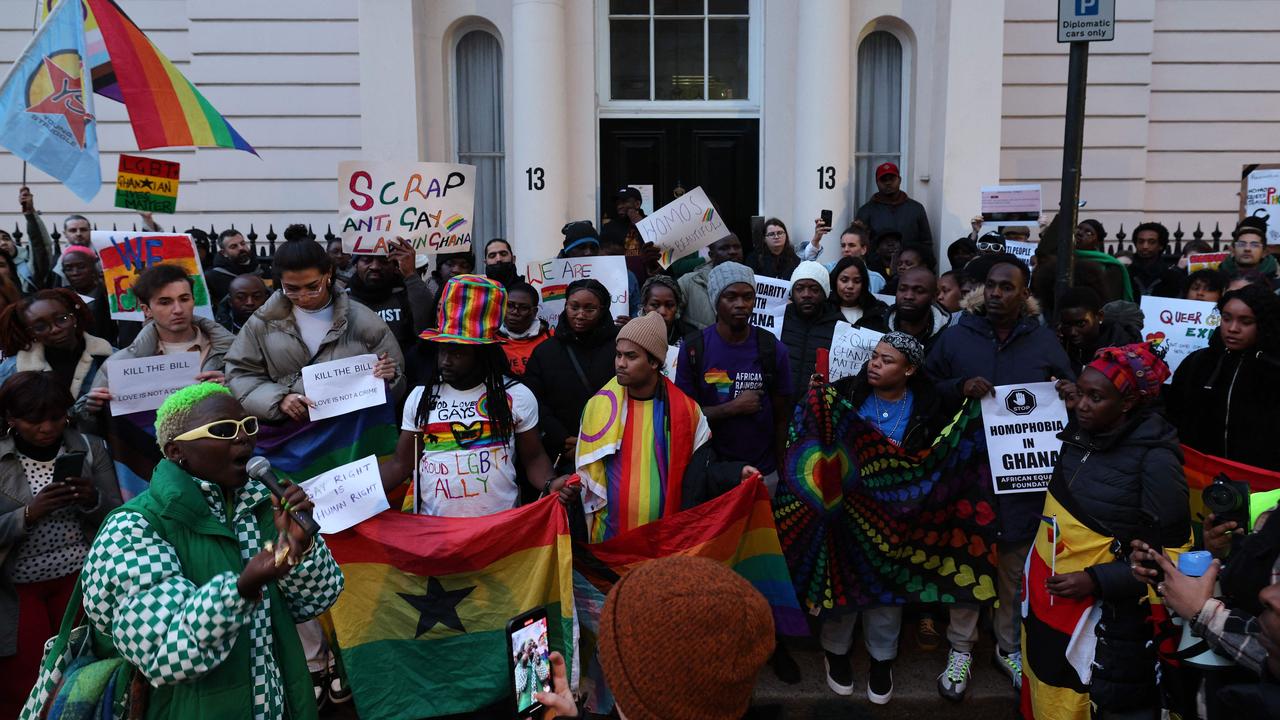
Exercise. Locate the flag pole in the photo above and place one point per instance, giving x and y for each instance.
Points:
(35, 23)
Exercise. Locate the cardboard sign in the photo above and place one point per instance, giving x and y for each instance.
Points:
(1202, 261)
(552, 279)
(1261, 197)
(683, 226)
(147, 185)
(347, 495)
(1179, 326)
(1011, 204)
(428, 204)
(1022, 423)
(124, 255)
(338, 387)
(850, 349)
(772, 297)
(139, 384)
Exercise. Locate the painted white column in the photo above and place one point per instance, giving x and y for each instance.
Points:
(539, 167)
(389, 83)
(822, 105)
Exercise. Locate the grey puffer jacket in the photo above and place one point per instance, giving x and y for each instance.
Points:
(266, 360)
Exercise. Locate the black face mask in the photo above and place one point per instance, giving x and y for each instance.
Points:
(503, 273)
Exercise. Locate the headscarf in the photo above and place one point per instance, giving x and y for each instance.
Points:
(910, 347)
(1134, 370)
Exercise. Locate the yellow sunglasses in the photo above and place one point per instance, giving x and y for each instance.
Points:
(222, 429)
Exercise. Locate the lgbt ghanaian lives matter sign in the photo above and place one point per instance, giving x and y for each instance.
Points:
(428, 204)
(125, 255)
(147, 185)
(682, 226)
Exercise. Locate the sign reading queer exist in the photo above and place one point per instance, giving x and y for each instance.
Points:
(428, 204)
(147, 185)
(772, 297)
(1022, 423)
(850, 349)
(1179, 326)
(552, 278)
(125, 255)
(682, 226)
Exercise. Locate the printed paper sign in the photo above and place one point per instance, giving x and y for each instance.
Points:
(772, 297)
(147, 185)
(338, 387)
(124, 255)
(139, 384)
(683, 226)
(347, 495)
(1202, 261)
(1262, 197)
(428, 204)
(850, 349)
(1179, 326)
(552, 278)
(1024, 251)
(1005, 203)
(1022, 423)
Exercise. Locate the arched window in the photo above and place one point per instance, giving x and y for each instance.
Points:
(478, 100)
(879, 121)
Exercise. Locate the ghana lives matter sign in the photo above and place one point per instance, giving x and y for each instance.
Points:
(1022, 423)
(147, 185)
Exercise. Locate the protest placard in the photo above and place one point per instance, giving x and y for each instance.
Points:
(147, 185)
(1024, 251)
(850, 348)
(772, 297)
(1203, 261)
(552, 278)
(347, 495)
(1260, 195)
(139, 384)
(124, 255)
(682, 226)
(673, 356)
(1179, 327)
(1011, 204)
(429, 204)
(1022, 423)
(338, 387)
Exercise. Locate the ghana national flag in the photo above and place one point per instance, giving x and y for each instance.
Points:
(422, 622)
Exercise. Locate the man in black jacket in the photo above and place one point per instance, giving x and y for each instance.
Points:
(234, 258)
(891, 209)
(388, 285)
(808, 324)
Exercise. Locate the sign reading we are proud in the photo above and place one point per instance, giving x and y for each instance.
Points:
(428, 204)
(147, 185)
(124, 255)
(552, 278)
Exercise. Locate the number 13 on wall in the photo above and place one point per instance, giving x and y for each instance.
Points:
(826, 177)
(536, 177)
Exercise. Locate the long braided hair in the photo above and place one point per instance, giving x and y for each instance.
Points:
(494, 368)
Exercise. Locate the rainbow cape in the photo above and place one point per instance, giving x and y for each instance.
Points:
(422, 622)
(863, 522)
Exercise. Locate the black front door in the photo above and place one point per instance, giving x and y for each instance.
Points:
(721, 156)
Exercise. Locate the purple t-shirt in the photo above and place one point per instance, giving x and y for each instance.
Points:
(724, 372)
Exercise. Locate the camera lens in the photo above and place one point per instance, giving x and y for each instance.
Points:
(1221, 497)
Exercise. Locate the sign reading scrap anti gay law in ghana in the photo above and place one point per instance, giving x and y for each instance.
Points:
(125, 255)
(147, 185)
(1022, 423)
(428, 204)
(682, 226)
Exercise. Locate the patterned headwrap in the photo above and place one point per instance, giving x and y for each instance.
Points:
(907, 345)
(1133, 369)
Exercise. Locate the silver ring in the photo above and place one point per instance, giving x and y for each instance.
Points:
(1160, 588)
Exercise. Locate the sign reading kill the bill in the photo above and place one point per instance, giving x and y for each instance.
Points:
(682, 226)
(428, 204)
(1022, 423)
(552, 278)
(124, 255)
(147, 185)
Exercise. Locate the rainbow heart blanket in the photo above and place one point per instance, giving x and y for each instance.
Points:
(862, 522)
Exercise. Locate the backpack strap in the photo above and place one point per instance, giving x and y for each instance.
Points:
(767, 348)
(697, 345)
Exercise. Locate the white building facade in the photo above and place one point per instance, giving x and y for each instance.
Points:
(777, 108)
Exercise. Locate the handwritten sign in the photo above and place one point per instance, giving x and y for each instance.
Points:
(428, 204)
(1202, 261)
(850, 349)
(146, 184)
(673, 356)
(347, 495)
(125, 255)
(140, 384)
(1261, 197)
(552, 278)
(683, 226)
(1022, 423)
(1179, 326)
(338, 387)
(772, 297)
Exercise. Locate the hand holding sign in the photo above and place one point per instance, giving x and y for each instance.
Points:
(682, 226)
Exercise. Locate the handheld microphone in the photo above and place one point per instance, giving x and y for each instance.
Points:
(259, 468)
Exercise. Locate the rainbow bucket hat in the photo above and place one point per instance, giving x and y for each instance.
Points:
(470, 312)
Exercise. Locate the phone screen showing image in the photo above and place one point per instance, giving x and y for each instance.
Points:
(530, 659)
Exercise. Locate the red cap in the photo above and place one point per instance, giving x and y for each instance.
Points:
(887, 169)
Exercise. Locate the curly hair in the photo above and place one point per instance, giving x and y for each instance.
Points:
(15, 336)
(1266, 310)
(171, 418)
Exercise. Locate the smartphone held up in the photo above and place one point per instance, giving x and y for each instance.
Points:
(529, 653)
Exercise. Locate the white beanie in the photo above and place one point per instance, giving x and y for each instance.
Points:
(810, 270)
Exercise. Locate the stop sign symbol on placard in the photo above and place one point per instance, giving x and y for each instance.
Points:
(1020, 401)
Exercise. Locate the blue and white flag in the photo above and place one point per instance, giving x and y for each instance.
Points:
(46, 104)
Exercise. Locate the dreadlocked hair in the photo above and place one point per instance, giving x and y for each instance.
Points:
(15, 336)
(494, 368)
(171, 418)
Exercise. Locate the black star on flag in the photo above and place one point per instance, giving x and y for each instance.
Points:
(438, 606)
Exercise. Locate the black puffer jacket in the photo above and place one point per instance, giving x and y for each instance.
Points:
(1223, 403)
(554, 379)
(803, 337)
(928, 417)
(1110, 334)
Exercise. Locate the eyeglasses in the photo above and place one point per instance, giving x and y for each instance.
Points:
(1250, 244)
(985, 246)
(519, 307)
(222, 429)
(64, 320)
(776, 233)
(311, 290)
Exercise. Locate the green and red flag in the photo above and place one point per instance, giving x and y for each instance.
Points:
(422, 622)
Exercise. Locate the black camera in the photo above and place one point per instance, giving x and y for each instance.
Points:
(1228, 500)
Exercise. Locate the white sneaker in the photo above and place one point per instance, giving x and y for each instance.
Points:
(954, 681)
(842, 685)
(1011, 665)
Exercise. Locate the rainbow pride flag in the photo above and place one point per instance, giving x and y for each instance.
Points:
(1201, 469)
(302, 450)
(165, 108)
(422, 622)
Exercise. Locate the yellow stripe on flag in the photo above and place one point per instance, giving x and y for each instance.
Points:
(147, 184)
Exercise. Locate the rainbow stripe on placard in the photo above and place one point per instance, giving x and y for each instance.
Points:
(710, 213)
(453, 222)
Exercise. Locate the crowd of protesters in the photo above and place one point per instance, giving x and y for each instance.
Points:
(459, 335)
